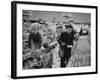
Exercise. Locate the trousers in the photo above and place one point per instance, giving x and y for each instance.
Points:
(65, 58)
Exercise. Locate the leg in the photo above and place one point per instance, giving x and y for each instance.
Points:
(63, 62)
(68, 55)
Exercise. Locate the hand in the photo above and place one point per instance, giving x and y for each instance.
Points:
(63, 44)
(38, 50)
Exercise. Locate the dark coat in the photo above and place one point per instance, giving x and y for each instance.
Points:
(66, 38)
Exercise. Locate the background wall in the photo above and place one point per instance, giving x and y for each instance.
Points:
(58, 16)
(5, 40)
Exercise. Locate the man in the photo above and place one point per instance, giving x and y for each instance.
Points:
(66, 43)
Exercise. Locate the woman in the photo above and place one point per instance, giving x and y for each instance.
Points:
(34, 40)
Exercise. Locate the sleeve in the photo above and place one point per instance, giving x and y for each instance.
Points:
(60, 38)
(29, 41)
(80, 33)
(40, 42)
(74, 35)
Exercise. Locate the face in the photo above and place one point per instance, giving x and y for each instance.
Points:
(69, 30)
(35, 30)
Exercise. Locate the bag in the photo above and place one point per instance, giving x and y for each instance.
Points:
(61, 53)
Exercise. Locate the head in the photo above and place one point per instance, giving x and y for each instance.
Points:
(35, 27)
(69, 28)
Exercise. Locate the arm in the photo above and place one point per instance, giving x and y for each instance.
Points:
(60, 38)
(40, 41)
(29, 41)
(75, 35)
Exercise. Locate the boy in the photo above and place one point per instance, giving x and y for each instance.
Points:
(66, 43)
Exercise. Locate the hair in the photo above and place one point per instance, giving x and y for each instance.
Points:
(69, 26)
(35, 26)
